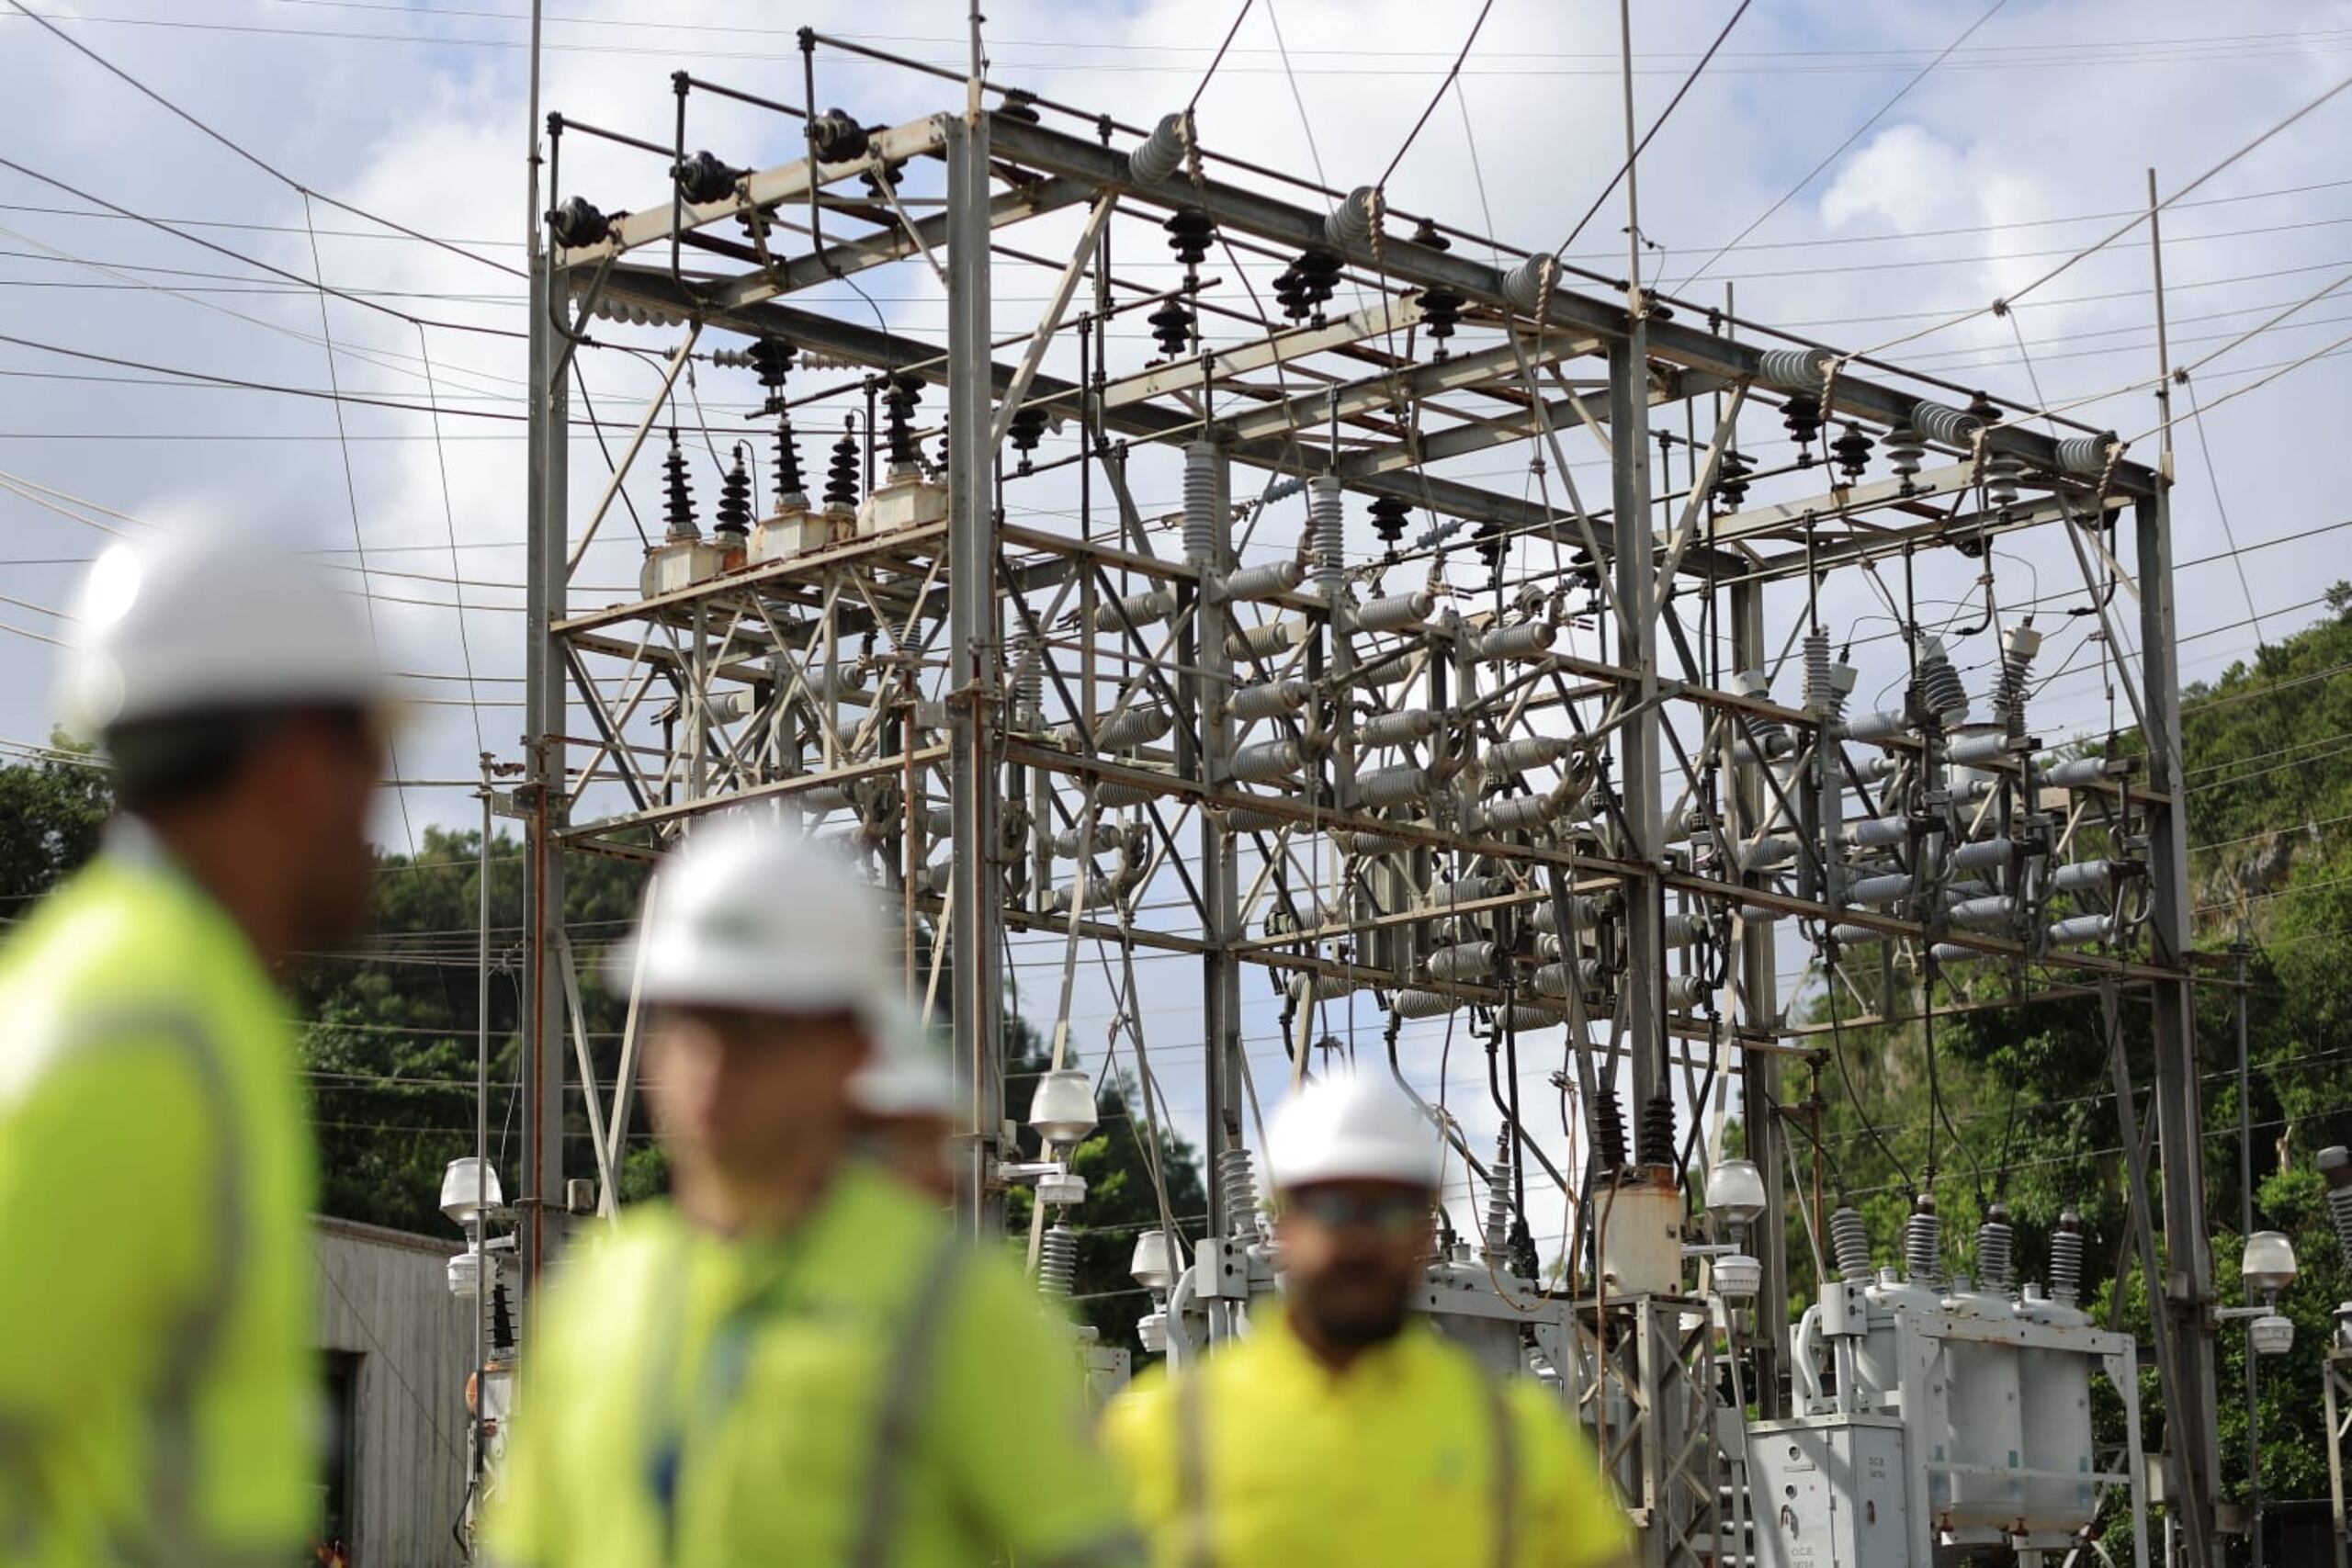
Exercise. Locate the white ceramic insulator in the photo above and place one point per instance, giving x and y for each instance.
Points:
(1271, 581)
(1270, 699)
(1397, 611)
(1464, 961)
(1380, 788)
(1270, 760)
(1136, 726)
(1528, 639)
(1402, 727)
(1267, 639)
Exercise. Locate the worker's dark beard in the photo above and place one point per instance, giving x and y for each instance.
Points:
(1352, 1306)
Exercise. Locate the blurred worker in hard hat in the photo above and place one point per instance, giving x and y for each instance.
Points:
(904, 1104)
(1340, 1429)
(157, 1394)
(798, 1360)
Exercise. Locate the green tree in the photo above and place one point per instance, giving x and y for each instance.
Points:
(51, 814)
(1121, 1201)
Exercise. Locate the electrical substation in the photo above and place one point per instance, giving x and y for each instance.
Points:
(1166, 619)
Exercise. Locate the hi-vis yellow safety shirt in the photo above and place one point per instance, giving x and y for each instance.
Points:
(157, 1391)
(1262, 1457)
(860, 1392)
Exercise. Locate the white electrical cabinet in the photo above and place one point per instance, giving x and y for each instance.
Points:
(1829, 1493)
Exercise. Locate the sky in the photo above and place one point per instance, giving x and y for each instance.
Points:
(1870, 197)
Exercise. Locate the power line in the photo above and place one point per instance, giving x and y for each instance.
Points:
(1837, 151)
(257, 161)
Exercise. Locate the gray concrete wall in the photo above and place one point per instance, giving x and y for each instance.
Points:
(384, 1299)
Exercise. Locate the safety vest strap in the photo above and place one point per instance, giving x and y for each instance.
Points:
(1506, 1477)
(901, 1402)
(1193, 1465)
(168, 1532)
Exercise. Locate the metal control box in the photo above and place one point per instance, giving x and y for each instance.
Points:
(1829, 1492)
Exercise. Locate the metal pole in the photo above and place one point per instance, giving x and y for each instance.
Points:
(2164, 347)
(2194, 1440)
(480, 1228)
(1220, 855)
(2245, 1228)
(543, 711)
(973, 902)
(1638, 737)
(1760, 1011)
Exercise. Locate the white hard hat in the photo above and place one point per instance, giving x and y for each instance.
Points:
(908, 1075)
(1351, 1128)
(205, 622)
(748, 915)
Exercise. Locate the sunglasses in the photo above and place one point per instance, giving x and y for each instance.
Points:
(1393, 1215)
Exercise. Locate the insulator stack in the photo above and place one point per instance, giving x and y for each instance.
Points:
(1147, 608)
(1939, 684)
(1816, 668)
(1946, 426)
(1499, 1202)
(1851, 451)
(1200, 503)
(1731, 480)
(1316, 275)
(1440, 310)
(843, 472)
(1190, 233)
(1270, 760)
(1028, 685)
(734, 516)
(1795, 369)
(900, 399)
(1769, 737)
(1528, 639)
(1171, 328)
(1525, 286)
(1849, 1243)
(1139, 726)
(1389, 514)
(1687, 992)
(771, 361)
(1465, 961)
(1382, 788)
(678, 502)
(1399, 726)
(2002, 472)
(1996, 1251)
(1523, 813)
(2087, 455)
(1352, 224)
(1161, 153)
(1903, 451)
(1057, 1262)
(1269, 698)
(1396, 612)
(1522, 752)
(1415, 1003)
(791, 489)
(1025, 429)
(1802, 415)
(1923, 1244)
(2336, 1170)
(1563, 978)
(1655, 1141)
(2066, 1260)
(1327, 524)
(1269, 581)
(1609, 1127)
(2017, 649)
(1237, 1180)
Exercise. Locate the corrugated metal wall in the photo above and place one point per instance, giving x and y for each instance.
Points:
(384, 1298)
